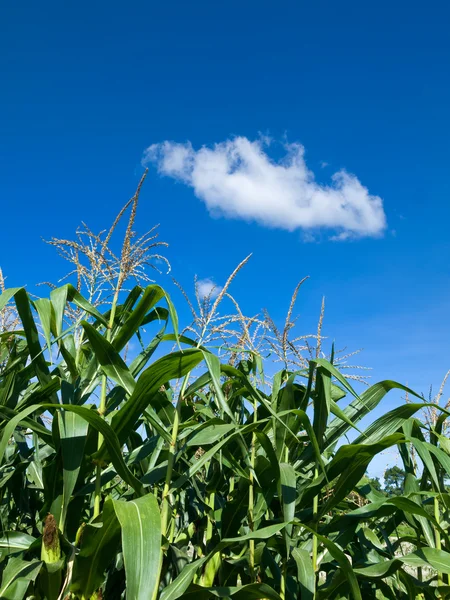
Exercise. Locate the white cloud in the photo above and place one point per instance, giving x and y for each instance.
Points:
(238, 179)
(207, 288)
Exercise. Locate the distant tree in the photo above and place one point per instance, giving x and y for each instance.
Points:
(375, 483)
(394, 479)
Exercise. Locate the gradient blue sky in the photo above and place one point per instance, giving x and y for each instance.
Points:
(87, 87)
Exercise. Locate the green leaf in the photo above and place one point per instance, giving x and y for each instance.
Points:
(251, 591)
(6, 296)
(342, 560)
(45, 312)
(93, 418)
(193, 468)
(399, 502)
(17, 577)
(213, 364)
(45, 435)
(16, 541)
(73, 430)
(152, 294)
(322, 403)
(165, 369)
(288, 493)
(180, 584)
(210, 434)
(270, 452)
(99, 544)
(331, 370)
(305, 573)
(73, 295)
(32, 335)
(143, 357)
(438, 560)
(349, 465)
(389, 423)
(359, 408)
(58, 298)
(111, 361)
(141, 542)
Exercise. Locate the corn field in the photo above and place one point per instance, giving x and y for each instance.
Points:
(189, 469)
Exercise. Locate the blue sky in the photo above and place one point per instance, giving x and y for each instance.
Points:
(88, 87)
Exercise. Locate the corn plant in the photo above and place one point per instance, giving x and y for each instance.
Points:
(191, 469)
(141, 480)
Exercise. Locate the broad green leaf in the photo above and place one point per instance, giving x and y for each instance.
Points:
(331, 370)
(399, 502)
(152, 294)
(45, 435)
(251, 591)
(349, 465)
(424, 451)
(437, 559)
(17, 577)
(389, 423)
(42, 393)
(24, 309)
(264, 533)
(303, 419)
(322, 403)
(141, 542)
(15, 541)
(425, 557)
(45, 312)
(93, 418)
(305, 573)
(360, 407)
(282, 425)
(58, 298)
(112, 363)
(173, 366)
(288, 493)
(412, 490)
(6, 296)
(213, 364)
(442, 457)
(180, 584)
(73, 295)
(342, 560)
(340, 414)
(73, 430)
(266, 444)
(99, 544)
(210, 434)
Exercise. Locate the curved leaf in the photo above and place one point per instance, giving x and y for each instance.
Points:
(140, 522)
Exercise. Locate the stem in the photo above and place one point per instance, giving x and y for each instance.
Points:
(437, 534)
(98, 484)
(102, 410)
(283, 583)
(251, 498)
(170, 463)
(78, 351)
(251, 523)
(209, 528)
(315, 513)
(171, 459)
